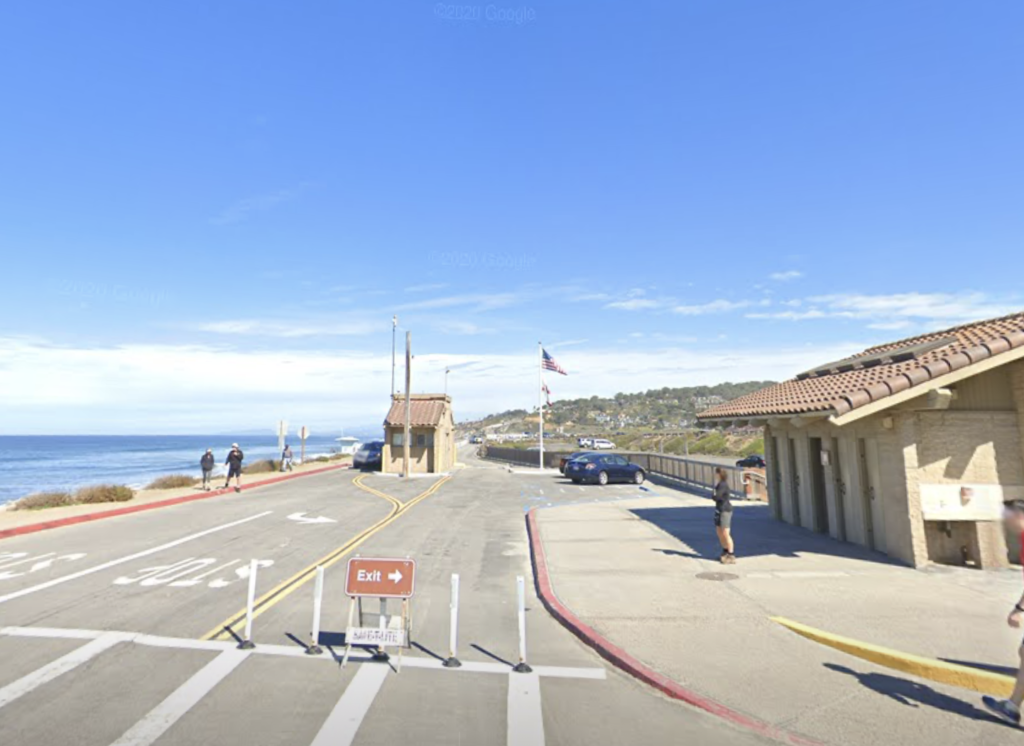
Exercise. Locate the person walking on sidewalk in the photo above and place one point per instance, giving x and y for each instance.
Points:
(1009, 709)
(286, 458)
(234, 464)
(723, 517)
(206, 464)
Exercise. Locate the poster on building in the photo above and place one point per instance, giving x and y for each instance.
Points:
(962, 502)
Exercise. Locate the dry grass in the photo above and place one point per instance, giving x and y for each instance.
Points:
(104, 493)
(261, 467)
(40, 500)
(172, 481)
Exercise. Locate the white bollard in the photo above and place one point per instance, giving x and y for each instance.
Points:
(453, 628)
(522, 666)
(381, 654)
(247, 643)
(318, 596)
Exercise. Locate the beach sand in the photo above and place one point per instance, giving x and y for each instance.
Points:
(16, 518)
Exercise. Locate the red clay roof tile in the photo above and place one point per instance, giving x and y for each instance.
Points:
(847, 388)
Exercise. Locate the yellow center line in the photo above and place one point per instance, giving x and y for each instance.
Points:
(223, 631)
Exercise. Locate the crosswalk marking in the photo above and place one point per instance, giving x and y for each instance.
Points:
(62, 665)
(343, 723)
(525, 720)
(524, 708)
(181, 700)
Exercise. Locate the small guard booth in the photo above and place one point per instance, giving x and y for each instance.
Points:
(432, 445)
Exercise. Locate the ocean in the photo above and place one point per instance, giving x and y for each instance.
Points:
(35, 463)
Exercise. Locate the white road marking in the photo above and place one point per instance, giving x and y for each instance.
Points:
(292, 651)
(129, 558)
(62, 665)
(303, 518)
(181, 700)
(525, 721)
(343, 723)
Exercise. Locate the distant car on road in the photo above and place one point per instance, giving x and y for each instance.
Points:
(603, 468)
(585, 442)
(566, 459)
(751, 462)
(600, 444)
(369, 455)
(476, 439)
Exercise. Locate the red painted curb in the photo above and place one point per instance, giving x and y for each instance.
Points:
(71, 520)
(623, 660)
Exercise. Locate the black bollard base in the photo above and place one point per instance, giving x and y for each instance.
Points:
(381, 655)
(246, 645)
(452, 662)
(522, 668)
(314, 650)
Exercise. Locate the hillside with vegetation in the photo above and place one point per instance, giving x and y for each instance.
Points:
(662, 420)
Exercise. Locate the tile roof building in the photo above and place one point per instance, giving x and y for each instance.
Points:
(909, 447)
(432, 441)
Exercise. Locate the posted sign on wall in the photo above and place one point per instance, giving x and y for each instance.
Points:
(381, 578)
(962, 502)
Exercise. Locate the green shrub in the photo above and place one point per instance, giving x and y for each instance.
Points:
(754, 447)
(40, 500)
(712, 444)
(171, 481)
(260, 467)
(104, 493)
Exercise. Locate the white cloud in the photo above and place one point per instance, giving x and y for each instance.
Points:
(456, 326)
(243, 208)
(286, 329)
(633, 304)
(790, 274)
(477, 302)
(715, 306)
(898, 310)
(47, 388)
(426, 287)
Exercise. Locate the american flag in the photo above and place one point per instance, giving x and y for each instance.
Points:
(549, 363)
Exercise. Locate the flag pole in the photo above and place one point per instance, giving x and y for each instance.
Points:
(540, 398)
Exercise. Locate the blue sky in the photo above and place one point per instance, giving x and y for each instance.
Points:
(210, 211)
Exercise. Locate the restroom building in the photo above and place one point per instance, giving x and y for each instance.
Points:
(909, 448)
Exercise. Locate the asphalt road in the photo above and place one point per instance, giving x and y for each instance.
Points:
(124, 631)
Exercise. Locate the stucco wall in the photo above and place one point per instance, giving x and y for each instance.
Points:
(876, 466)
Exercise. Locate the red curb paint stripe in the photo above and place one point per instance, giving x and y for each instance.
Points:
(623, 660)
(71, 520)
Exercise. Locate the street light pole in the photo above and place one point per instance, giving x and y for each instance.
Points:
(408, 402)
(394, 329)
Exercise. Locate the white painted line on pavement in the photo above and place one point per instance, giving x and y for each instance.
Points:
(525, 721)
(292, 651)
(62, 665)
(129, 558)
(181, 700)
(343, 723)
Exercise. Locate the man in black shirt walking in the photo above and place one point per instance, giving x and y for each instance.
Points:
(723, 517)
(234, 464)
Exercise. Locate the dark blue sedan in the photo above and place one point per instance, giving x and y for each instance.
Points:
(603, 468)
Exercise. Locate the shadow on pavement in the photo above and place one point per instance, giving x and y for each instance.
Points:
(755, 531)
(913, 694)
(1004, 670)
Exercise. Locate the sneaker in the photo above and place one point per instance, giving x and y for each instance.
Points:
(729, 559)
(1002, 708)
(238, 489)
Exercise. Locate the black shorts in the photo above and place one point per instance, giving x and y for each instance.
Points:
(234, 471)
(723, 518)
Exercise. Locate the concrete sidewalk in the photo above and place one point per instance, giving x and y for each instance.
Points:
(645, 574)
